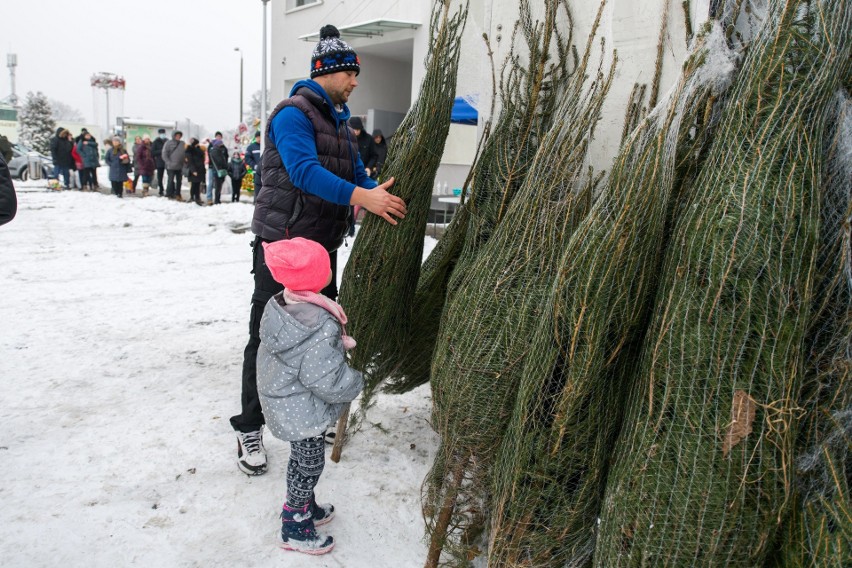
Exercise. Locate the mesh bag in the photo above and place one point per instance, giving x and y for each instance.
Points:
(819, 532)
(492, 306)
(552, 466)
(702, 469)
(381, 275)
(528, 93)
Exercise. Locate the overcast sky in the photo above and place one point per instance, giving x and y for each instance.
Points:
(177, 56)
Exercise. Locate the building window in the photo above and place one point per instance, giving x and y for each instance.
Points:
(293, 4)
(8, 114)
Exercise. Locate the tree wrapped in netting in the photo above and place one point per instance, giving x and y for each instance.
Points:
(703, 467)
(530, 85)
(552, 466)
(381, 275)
(492, 307)
(819, 531)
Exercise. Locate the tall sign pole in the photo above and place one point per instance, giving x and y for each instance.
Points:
(11, 63)
(241, 83)
(263, 82)
(107, 82)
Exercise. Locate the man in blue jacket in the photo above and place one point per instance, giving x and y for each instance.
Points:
(311, 175)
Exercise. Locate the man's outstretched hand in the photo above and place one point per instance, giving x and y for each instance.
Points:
(380, 202)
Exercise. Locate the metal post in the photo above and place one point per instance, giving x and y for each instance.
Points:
(263, 82)
(241, 83)
(11, 63)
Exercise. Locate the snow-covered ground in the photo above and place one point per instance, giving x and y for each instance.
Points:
(122, 327)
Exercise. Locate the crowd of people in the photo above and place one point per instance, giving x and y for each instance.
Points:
(160, 163)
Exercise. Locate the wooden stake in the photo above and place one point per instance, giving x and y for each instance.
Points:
(340, 435)
(439, 534)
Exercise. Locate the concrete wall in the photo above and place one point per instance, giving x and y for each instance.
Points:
(383, 84)
(631, 28)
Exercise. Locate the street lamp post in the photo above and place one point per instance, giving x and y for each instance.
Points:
(263, 81)
(241, 83)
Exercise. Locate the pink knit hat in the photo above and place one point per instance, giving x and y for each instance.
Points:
(299, 264)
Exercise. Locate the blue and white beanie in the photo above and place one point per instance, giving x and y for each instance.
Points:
(332, 54)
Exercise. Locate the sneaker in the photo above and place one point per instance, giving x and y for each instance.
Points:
(251, 455)
(322, 513)
(299, 533)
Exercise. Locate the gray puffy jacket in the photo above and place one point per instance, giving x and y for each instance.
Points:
(174, 152)
(302, 376)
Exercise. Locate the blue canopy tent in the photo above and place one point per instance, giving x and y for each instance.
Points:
(463, 113)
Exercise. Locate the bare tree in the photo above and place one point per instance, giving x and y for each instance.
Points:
(63, 112)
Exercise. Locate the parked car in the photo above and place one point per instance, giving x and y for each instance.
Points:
(18, 164)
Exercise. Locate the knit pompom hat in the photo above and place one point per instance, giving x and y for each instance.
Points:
(332, 54)
(299, 264)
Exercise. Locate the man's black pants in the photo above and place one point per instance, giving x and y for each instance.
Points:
(251, 417)
(161, 180)
(173, 188)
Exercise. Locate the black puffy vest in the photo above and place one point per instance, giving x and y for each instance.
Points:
(282, 210)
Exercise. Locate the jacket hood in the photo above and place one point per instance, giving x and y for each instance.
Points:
(59, 131)
(339, 117)
(285, 327)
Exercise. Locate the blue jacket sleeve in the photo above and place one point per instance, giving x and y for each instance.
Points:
(293, 136)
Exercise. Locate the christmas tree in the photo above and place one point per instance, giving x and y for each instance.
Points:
(36, 125)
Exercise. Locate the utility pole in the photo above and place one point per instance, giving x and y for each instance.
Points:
(241, 83)
(263, 81)
(11, 63)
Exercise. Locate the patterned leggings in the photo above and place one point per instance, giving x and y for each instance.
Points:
(307, 460)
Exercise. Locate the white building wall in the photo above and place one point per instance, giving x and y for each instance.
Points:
(631, 27)
(376, 92)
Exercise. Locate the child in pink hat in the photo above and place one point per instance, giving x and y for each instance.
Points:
(303, 380)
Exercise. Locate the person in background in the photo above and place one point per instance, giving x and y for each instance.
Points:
(236, 171)
(87, 147)
(218, 155)
(303, 380)
(77, 172)
(6, 149)
(93, 177)
(380, 153)
(195, 161)
(211, 171)
(365, 150)
(118, 161)
(8, 199)
(157, 150)
(365, 143)
(137, 143)
(311, 175)
(253, 161)
(144, 164)
(60, 153)
(174, 154)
